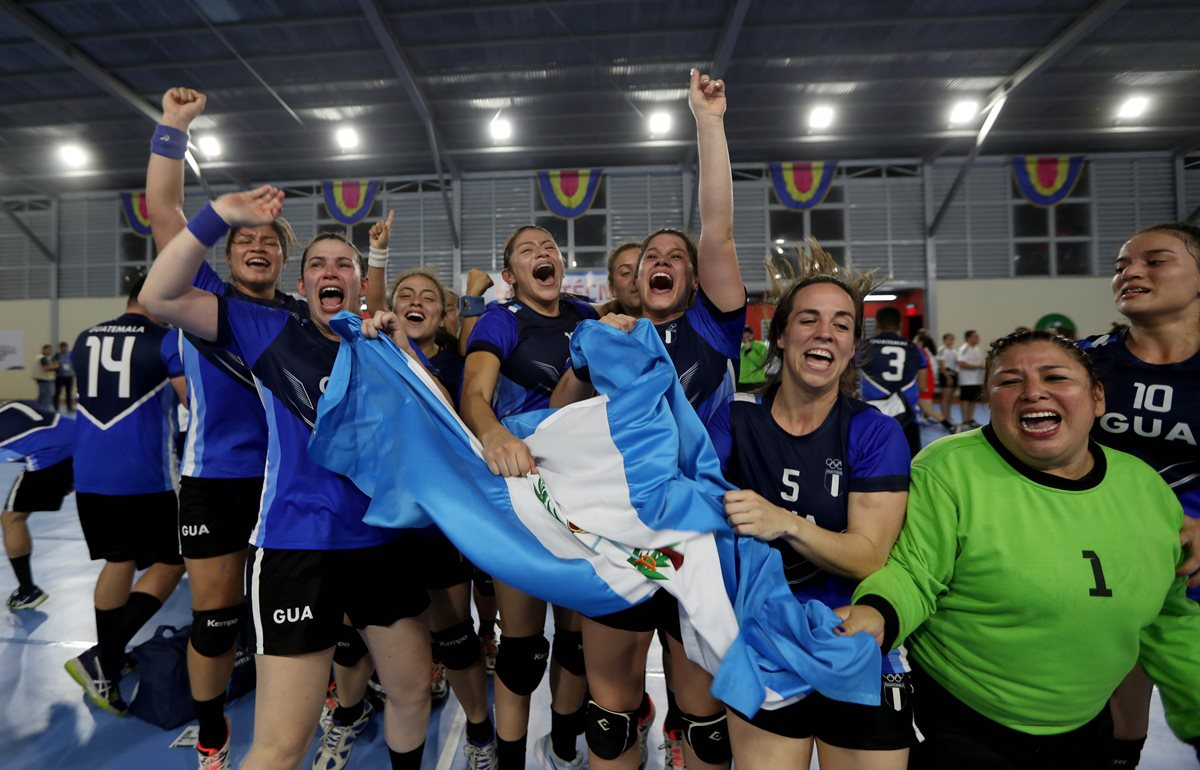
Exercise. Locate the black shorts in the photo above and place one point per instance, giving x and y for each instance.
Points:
(297, 598)
(216, 516)
(947, 379)
(43, 489)
(957, 736)
(440, 563)
(139, 528)
(658, 613)
(969, 392)
(886, 727)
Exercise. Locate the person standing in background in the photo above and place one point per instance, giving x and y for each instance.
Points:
(43, 374)
(64, 378)
(970, 378)
(751, 374)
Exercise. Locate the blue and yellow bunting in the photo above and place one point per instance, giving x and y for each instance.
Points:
(136, 212)
(1045, 180)
(349, 200)
(803, 185)
(568, 193)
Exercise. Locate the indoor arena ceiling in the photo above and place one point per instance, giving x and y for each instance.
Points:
(422, 81)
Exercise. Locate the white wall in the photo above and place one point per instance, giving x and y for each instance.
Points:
(33, 317)
(996, 306)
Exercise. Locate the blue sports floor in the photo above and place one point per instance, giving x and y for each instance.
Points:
(46, 723)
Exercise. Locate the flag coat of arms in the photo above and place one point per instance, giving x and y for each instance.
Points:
(1045, 180)
(570, 192)
(137, 214)
(626, 501)
(349, 201)
(800, 186)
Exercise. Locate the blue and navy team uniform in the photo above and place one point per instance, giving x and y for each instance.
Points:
(227, 429)
(856, 449)
(890, 365)
(534, 351)
(125, 439)
(44, 442)
(447, 366)
(1152, 413)
(704, 344)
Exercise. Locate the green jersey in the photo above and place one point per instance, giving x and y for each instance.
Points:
(1029, 597)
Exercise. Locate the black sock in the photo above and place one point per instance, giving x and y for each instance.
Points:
(24, 572)
(139, 609)
(348, 715)
(562, 735)
(480, 733)
(511, 754)
(674, 719)
(109, 642)
(487, 628)
(407, 760)
(211, 715)
(1126, 754)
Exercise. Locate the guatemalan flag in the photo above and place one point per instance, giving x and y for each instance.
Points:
(626, 501)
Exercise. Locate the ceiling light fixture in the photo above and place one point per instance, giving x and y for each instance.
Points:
(964, 112)
(820, 117)
(659, 123)
(1133, 107)
(73, 155)
(500, 128)
(347, 138)
(210, 146)
(879, 298)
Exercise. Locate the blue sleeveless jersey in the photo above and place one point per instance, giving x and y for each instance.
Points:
(890, 364)
(704, 345)
(856, 449)
(227, 429)
(35, 437)
(1152, 413)
(534, 351)
(304, 506)
(125, 437)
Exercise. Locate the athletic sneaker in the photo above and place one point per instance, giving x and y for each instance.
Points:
(26, 600)
(672, 745)
(129, 663)
(101, 691)
(643, 732)
(481, 757)
(439, 688)
(338, 742)
(327, 707)
(548, 760)
(216, 759)
(490, 649)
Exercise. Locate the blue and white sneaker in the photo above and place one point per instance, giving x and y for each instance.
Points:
(338, 741)
(26, 600)
(101, 691)
(548, 760)
(481, 757)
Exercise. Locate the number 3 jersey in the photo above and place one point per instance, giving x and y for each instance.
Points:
(125, 438)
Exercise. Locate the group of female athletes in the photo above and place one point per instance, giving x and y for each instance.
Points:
(1027, 573)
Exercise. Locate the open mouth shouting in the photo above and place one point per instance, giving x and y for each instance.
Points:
(1041, 422)
(258, 263)
(331, 298)
(544, 274)
(819, 358)
(661, 282)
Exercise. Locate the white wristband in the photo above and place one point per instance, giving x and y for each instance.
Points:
(377, 258)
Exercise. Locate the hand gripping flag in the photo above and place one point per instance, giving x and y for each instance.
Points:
(627, 501)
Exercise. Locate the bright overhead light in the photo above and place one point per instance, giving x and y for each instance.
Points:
(1133, 107)
(879, 298)
(73, 155)
(210, 146)
(820, 117)
(660, 123)
(347, 138)
(500, 129)
(964, 112)
(779, 240)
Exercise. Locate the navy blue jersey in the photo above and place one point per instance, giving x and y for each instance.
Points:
(227, 428)
(36, 437)
(703, 344)
(304, 505)
(1151, 412)
(534, 351)
(125, 438)
(856, 449)
(447, 366)
(890, 365)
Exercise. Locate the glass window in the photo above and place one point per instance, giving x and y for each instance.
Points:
(836, 194)
(133, 247)
(828, 224)
(591, 230)
(1074, 258)
(1072, 219)
(1032, 259)
(557, 227)
(1030, 221)
(788, 225)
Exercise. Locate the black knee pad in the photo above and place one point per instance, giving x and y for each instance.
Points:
(568, 651)
(610, 733)
(350, 647)
(214, 632)
(521, 662)
(708, 737)
(457, 647)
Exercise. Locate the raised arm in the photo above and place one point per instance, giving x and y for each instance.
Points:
(168, 293)
(164, 174)
(478, 281)
(720, 277)
(377, 259)
(505, 454)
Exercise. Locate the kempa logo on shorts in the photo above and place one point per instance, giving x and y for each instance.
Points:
(292, 614)
(210, 623)
(191, 530)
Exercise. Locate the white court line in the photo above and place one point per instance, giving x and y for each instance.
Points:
(453, 738)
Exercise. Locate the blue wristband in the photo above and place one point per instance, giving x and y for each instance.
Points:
(207, 226)
(169, 142)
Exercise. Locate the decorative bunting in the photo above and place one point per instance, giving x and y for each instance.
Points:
(802, 186)
(136, 212)
(349, 200)
(1045, 180)
(569, 193)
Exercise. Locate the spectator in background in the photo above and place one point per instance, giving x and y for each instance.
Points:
(750, 368)
(64, 378)
(44, 374)
(947, 363)
(890, 372)
(970, 378)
